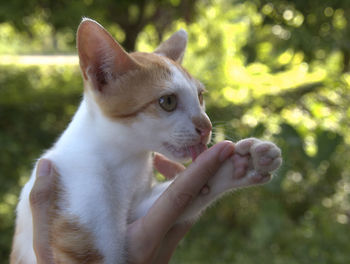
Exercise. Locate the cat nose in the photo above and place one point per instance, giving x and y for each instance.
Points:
(203, 132)
(203, 126)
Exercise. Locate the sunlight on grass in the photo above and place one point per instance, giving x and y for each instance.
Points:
(39, 59)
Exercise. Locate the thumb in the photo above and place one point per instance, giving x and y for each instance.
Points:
(173, 202)
(40, 199)
(41, 190)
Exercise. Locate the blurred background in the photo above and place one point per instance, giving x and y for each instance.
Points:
(275, 69)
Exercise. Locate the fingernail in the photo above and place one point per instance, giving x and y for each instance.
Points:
(44, 168)
(226, 152)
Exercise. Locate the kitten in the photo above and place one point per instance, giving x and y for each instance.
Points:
(134, 104)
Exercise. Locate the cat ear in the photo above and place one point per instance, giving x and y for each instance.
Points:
(101, 58)
(174, 47)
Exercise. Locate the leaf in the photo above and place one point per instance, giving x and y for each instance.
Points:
(327, 143)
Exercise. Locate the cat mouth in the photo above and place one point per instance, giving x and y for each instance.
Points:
(185, 152)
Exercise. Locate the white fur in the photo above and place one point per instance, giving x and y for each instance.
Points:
(23, 240)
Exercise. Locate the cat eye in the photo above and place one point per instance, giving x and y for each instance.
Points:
(200, 97)
(168, 102)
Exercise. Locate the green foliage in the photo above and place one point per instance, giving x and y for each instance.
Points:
(315, 28)
(273, 71)
(35, 106)
(124, 16)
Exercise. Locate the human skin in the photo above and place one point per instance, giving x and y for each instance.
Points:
(154, 237)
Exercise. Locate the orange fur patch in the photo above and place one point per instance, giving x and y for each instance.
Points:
(70, 241)
(189, 77)
(135, 91)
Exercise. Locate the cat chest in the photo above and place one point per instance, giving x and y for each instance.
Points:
(101, 207)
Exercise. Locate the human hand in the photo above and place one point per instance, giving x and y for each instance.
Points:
(154, 237)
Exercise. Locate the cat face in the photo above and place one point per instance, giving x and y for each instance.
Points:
(150, 94)
(175, 121)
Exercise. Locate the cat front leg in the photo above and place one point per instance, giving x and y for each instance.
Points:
(252, 164)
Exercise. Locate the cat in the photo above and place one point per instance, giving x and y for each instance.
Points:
(134, 104)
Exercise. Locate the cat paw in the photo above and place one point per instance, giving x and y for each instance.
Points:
(241, 164)
(265, 156)
(252, 164)
(244, 174)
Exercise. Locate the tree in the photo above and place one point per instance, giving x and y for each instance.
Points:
(130, 15)
(316, 28)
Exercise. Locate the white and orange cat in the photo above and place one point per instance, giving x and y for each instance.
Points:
(134, 104)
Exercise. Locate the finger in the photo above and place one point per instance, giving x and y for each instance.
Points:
(170, 242)
(41, 189)
(40, 198)
(172, 203)
(167, 167)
